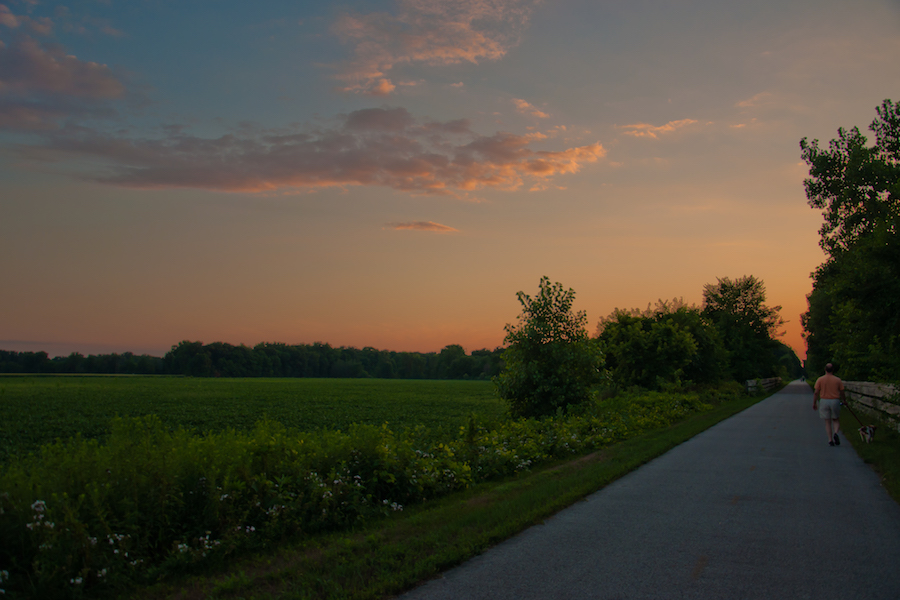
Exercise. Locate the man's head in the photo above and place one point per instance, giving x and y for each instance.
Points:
(829, 368)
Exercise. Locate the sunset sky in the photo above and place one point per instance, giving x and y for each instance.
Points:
(391, 173)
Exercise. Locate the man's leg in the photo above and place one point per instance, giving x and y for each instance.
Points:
(829, 431)
(836, 425)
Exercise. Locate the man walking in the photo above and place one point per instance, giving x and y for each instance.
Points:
(828, 397)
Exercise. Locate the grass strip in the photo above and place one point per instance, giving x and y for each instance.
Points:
(883, 454)
(395, 554)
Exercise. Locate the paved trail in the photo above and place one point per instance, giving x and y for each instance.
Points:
(757, 507)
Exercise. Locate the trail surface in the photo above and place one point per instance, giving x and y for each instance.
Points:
(756, 507)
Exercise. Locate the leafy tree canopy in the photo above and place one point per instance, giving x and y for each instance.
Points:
(855, 185)
(670, 343)
(747, 325)
(739, 304)
(550, 361)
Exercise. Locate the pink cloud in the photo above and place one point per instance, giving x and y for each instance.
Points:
(761, 99)
(427, 32)
(26, 67)
(382, 147)
(423, 226)
(653, 131)
(526, 108)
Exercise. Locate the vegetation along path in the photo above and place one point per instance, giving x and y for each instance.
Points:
(758, 506)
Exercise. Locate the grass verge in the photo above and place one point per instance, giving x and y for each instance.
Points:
(883, 454)
(396, 553)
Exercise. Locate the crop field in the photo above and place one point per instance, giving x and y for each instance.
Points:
(38, 410)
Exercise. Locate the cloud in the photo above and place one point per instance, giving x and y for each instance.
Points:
(382, 147)
(41, 86)
(525, 108)
(27, 67)
(653, 131)
(25, 116)
(7, 18)
(42, 26)
(379, 119)
(423, 226)
(761, 99)
(428, 32)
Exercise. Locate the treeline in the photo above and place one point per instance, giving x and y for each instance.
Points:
(853, 319)
(220, 359)
(322, 360)
(105, 364)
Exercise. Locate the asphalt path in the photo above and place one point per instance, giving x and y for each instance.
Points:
(756, 507)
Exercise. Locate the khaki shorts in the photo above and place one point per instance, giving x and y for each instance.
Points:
(829, 408)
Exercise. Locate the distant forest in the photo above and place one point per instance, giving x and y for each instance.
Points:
(268, 360)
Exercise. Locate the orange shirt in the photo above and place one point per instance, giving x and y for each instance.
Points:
(829, 386)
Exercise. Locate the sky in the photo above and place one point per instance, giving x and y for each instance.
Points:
(391, 173)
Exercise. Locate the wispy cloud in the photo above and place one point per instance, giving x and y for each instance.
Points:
(654, 131)
(428, 32)
(761, 99)
(27, 67)
(526, 108)
(422, 226)
(383, 147)
(41, 86)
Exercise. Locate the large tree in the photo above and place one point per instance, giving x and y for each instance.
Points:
(856, 186)
(747, 325)
(854, 308)
(550, 361)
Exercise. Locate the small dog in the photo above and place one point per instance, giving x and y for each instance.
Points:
(867, 433)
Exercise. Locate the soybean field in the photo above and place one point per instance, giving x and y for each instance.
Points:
(38, 410)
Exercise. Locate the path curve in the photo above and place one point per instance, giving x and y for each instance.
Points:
(756, 507)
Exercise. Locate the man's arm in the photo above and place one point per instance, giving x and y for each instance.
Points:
(816, 399)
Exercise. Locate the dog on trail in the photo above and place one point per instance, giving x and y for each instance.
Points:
(867, 433)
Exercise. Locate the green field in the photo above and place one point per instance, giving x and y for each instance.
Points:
(38, 410)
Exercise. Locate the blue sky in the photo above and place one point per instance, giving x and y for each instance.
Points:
(390, 174)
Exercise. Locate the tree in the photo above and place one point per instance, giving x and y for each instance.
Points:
(857, 187)
(550, 361)
(854, 307)
(670, 343)
(746, 325)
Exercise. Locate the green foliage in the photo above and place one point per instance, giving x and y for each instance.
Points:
(669, 344)
(550, 361)
(83, 517)
(38, 410)
(854, 309)
(856, 186)
(746, 325)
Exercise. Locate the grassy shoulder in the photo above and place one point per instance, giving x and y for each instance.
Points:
(883, 454)
(396, 553)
